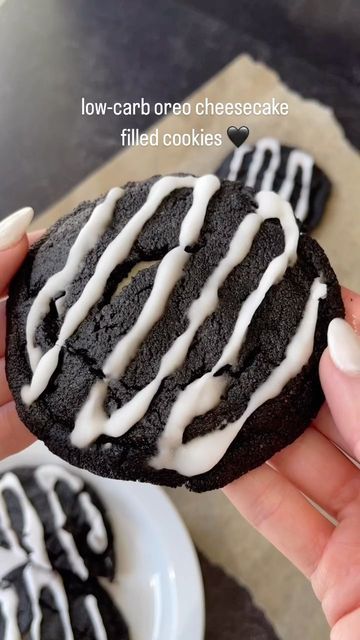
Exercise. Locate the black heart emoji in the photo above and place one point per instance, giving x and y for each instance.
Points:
(238, 135)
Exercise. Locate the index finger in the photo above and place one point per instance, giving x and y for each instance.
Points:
(10, 261)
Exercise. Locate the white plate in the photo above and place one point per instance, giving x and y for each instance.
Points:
(158, 584)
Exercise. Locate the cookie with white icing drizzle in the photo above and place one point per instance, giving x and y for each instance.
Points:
(169, 331)
(50, 517)
(55, 543)
(43, 605)
(289, 171)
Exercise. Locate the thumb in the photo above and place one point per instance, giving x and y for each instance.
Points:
(340, 373)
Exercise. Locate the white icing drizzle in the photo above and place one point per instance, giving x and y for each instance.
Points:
(10, 560)
(297, 159)
(169, 272)
(33, 531)
(9, 606)
(92, 607)
(202, 453)
(37, 579)
(97, 537)
(92, 420)
(115, 253)
(236, 161)
(266, 144)
(85, 241)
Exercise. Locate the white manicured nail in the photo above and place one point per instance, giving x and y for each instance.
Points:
(344, 346)
(14, 227)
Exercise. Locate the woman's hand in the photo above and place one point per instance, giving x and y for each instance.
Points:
(271, 497)
(14, 436)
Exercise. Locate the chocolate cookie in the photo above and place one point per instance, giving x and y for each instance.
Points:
(50, 517)
(289, 171)
(36, 603)
(55, 541)
(170, 331)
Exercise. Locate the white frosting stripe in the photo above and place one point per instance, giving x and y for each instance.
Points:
(92, 607)
(297, 159)
(305, 162)
(237, 160)
(8, 607)
(33, 531)
(202, 453)
(86, 240)
(97, 537)
(115, 253)
(37, 579)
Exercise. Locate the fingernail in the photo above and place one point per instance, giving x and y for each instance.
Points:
(344, 346)
(14, 227)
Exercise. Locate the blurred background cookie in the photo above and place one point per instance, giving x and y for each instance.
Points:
(289, 171)
(55, 542)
